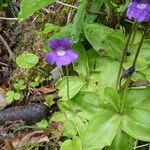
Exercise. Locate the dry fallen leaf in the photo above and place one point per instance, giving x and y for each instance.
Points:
(45, 90)
(35, 137)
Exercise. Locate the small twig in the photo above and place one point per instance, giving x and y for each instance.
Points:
(74, 7)
(11, 55)
(4, 64)
(68, 5)
(140, 146)
(11, 19)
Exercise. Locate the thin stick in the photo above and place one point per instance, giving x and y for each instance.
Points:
(74, 7)
(11, 19)
(4, 64)
(11, 55)
(67, 73)
(140, 146)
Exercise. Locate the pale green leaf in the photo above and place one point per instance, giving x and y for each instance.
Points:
(74, 144)
(29, 7)
(136, 123)
(86, 103)
(75, 84)
(112, 97)
(27, 60)
(122, 141)
(101, 131)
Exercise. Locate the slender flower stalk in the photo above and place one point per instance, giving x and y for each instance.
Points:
(124, 53)
(139, 47)
(67, 74)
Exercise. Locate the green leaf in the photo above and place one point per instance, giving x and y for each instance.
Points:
(108, 77)
(63, 32)
(9, 97)
(49, 27)
(96, 62)
(69, 129)
(144, 53)
(112, 97)
(21, 82)
(141, 64)
(17, 96)
(86, 103)
(96, 34)
(81, 66)
(75, 84)
(122, 141)
(29, 7)
(95, 6)
(101, 131)
(49, 100)
(136, 123)
(103, 37)
(43, 124)
(115, 43)
(78, 21)
(27, 60)
(138, 98)
(74, 144)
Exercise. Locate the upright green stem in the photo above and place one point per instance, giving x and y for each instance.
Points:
(133, 64)
(124, 53)
(139, 47)
(67, 74)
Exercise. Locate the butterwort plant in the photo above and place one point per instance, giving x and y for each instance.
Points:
(61, 54)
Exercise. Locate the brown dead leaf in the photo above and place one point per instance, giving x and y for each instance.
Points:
(35, 137)
(57, 128)
(2, 99)
(8, 145)
(45, 90)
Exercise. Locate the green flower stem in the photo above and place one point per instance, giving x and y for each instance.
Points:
(67, 74)
(133, 64)
(124, 53)
(139, 47)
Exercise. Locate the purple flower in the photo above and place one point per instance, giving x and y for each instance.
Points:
(139, 10)
(129, 72)
(61, 53)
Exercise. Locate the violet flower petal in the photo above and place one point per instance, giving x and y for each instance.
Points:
(51, 57)
(69, 57)
(65, 43)
(139, 10)
(53, 44)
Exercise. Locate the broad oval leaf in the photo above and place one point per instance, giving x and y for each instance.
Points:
(112, 97)
(27, 60)
(86, 103)
(122, 141)
(29, 7)
(96, 34)
(138, 98)
(75, 84)
(136, 123)
(74, 144)
(101, 131)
